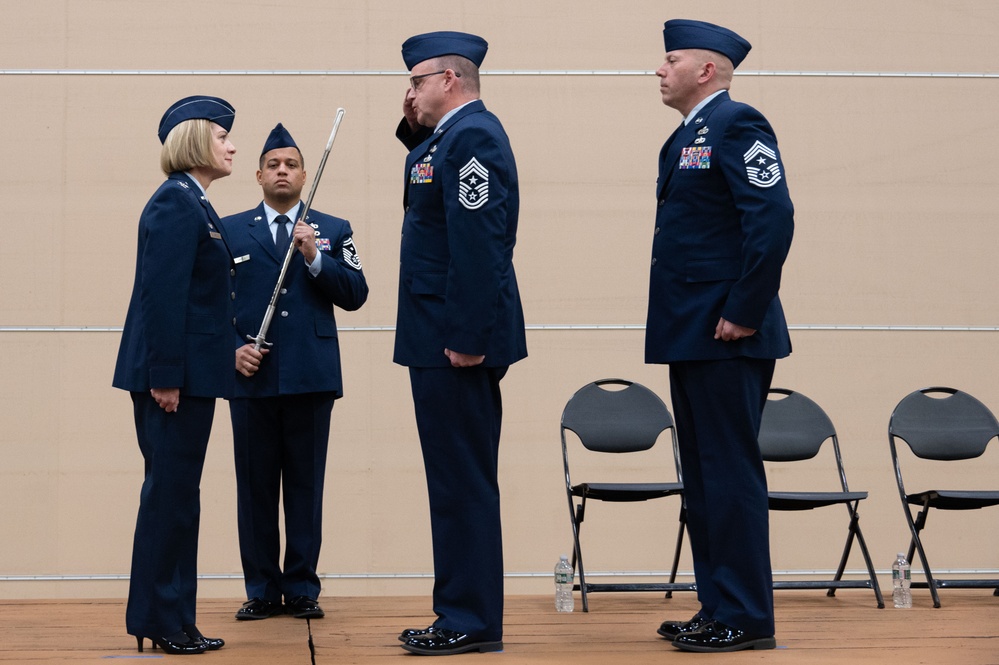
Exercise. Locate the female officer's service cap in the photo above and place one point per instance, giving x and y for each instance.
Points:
(278, 138)
(681, 34)
(217, 110)
(435, 44)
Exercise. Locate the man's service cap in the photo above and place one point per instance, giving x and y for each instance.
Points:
(681, 34)
(278, 138)
(435, 44)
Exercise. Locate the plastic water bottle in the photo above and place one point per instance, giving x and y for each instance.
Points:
(901, 580)
(563, 585)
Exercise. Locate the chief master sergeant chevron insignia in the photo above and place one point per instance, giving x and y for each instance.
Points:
(473, 185)
(762, 166)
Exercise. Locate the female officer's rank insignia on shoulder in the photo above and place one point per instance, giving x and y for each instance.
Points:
(473, 185)
(762, 166)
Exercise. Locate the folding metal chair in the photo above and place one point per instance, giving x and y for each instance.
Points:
(794, 428)
(950, 426)
(625, 420)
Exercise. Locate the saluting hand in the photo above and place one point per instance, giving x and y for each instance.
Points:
(408, 111)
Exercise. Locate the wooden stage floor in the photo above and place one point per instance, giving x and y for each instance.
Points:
(618, 630)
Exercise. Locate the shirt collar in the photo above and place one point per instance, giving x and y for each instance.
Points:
(195, 180)
(272, 213)
(697, 109)
(449, 115)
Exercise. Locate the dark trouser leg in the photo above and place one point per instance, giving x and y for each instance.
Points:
(162, 593)
(718, 406)
(458, 414)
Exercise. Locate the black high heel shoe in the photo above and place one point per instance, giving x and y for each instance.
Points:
(174, 645)
(212, 643)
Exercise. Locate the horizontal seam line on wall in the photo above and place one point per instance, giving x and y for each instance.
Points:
(521, 575)
(559, 326)
(512, 72)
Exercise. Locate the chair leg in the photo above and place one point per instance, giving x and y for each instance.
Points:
(577, 554)
(679, 547)
(870, 564)
(846, 552)
(917, 545)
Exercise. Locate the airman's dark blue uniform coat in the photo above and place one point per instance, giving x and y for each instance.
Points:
(281, 414)
(458, 291)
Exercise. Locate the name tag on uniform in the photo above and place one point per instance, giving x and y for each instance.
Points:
(696, 157)
(215, 234)
(240, 259)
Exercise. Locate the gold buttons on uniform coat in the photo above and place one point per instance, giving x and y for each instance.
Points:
(284, 314)
(232, 296)
(284, 291)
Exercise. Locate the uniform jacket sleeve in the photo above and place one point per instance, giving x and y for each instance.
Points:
(171, 240)
(341, 279)
(752, 166)
(477, 235)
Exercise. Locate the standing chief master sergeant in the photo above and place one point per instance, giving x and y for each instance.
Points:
(284, 394)
(460, 325)
(723, 230)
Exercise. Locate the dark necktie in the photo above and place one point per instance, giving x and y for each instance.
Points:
(281, 239)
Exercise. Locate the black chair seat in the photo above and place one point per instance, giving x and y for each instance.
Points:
(954, 499)
(810, 500)
(621, 492)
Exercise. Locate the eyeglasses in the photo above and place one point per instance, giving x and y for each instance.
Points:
(414, 81)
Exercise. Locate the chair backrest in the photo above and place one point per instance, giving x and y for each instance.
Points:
(953, 427)
(616, 421)
(793, 427)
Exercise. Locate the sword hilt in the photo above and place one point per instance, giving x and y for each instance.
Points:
(259, 341)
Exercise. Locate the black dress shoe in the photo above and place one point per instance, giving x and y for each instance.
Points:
(444, 642)
(410, 633)
(303, 607)
(211, 643)
(258, 608)
(715, 636)
(670, 629)
(178, 644)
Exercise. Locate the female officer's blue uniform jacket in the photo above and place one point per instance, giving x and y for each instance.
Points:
(178, 330)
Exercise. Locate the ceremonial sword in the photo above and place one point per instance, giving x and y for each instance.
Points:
(261, 337)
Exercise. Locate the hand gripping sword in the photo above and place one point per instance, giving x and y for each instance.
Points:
(261, 337)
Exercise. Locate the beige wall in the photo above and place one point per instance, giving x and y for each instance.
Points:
(892, 178)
